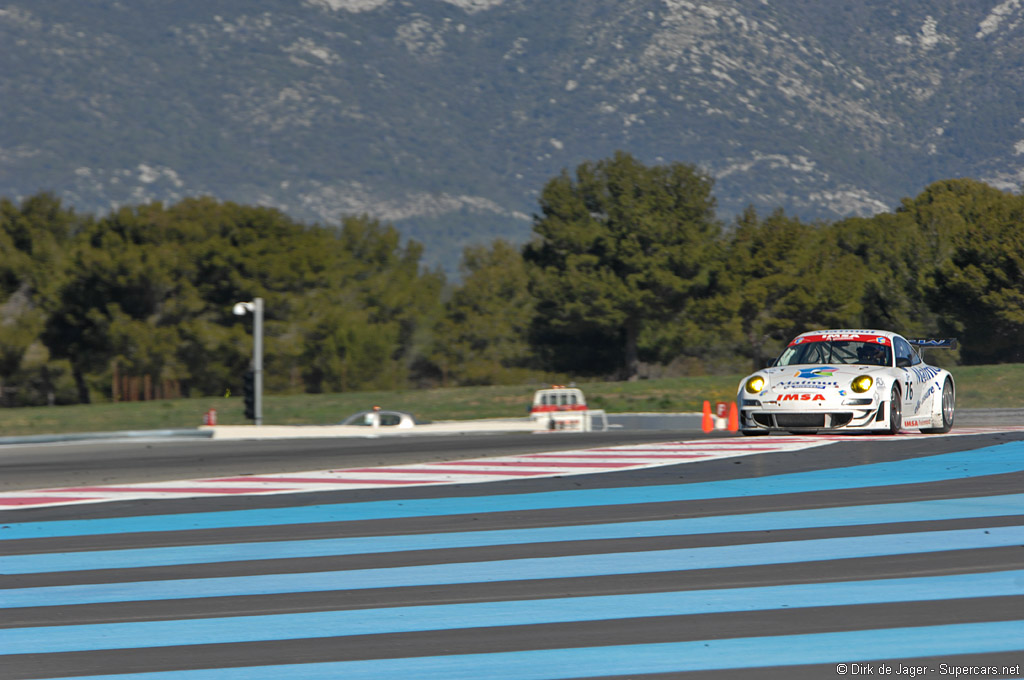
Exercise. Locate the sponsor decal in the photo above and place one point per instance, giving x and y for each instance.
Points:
(802, 397)
(928, 393)
(925, 373)
(812, 373)
(941, 343)
(916, 422)
(864, 336)
(806, 385)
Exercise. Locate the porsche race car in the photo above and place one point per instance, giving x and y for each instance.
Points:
(849, 380)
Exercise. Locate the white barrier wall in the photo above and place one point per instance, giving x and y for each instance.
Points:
(293, 431)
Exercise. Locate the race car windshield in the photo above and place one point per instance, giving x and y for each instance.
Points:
(836, 352)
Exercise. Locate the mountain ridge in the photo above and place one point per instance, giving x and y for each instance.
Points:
(446, 117)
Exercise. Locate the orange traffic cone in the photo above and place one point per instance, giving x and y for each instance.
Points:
(734, 417)
(707, 423)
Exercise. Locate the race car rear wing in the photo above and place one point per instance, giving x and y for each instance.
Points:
(934, 343)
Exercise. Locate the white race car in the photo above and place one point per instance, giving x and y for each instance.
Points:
(849, 381)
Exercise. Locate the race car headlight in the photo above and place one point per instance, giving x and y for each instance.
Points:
(862, 383)
(755, 384)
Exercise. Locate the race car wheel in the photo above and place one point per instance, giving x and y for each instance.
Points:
(753, 433)
(895, 411)
(948, 409)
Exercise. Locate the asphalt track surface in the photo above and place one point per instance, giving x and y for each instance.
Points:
(906, 552)
(34, 466)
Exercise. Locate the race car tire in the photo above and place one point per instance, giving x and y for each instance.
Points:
(895, 411)
(948, 398)
(753, 433)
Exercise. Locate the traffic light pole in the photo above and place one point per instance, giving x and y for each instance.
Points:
(256, 307)
(257, 356)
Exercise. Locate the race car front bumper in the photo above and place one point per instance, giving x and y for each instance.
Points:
(756, 416)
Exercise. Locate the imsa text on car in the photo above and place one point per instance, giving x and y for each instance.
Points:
(849, 380)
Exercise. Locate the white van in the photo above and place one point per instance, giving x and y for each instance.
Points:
(558, 398)
(564, 409)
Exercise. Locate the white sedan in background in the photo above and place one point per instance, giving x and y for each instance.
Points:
(849, 381)
(378, 418)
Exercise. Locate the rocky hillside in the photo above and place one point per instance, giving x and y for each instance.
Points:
(446, 117)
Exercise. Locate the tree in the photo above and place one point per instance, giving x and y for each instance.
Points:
(621, 247)
(976, 239)
(34, 238)
(483, 335)
(399, 297)
(786, 277)
(152, 288)
(898, 258)
(345, 351)
(110, 302)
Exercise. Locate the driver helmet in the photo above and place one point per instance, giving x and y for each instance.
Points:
(870, 353)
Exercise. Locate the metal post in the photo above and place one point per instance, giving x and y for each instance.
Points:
(257, 358)
(256, 308)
